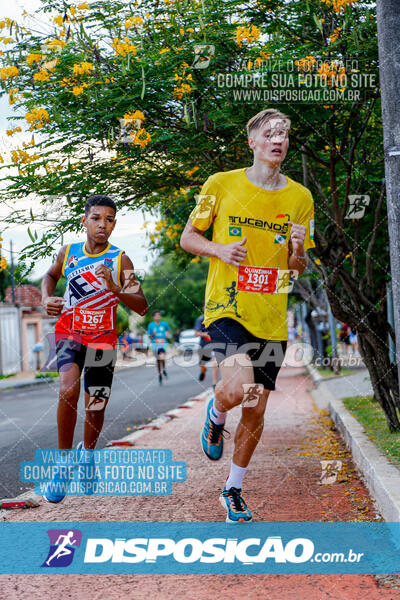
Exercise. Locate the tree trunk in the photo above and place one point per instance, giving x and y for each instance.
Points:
(384, 378)
(372, 334)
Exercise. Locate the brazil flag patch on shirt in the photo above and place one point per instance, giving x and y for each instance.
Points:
(237, 231)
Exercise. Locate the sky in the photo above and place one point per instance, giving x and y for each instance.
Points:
(128, 234)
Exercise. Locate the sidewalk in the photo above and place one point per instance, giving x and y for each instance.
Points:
(283, 484)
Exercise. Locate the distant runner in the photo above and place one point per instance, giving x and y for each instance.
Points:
(206, 354)
(158, 332)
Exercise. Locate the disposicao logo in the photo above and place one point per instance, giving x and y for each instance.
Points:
(63, 543)
(191, 550)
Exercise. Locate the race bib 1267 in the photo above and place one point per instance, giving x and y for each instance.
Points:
(100, 319)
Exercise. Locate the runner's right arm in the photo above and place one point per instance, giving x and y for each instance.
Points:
(197, 328)
(193, 240)
(53, 304)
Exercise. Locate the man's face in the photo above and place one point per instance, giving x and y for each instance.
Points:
(270, 142)
(157, 317)
(100, 223)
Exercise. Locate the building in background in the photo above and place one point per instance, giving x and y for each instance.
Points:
(23, 327)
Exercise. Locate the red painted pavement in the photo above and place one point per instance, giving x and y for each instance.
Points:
(282, 484)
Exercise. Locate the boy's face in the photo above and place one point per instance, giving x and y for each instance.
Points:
(100, 223)
(270, 142)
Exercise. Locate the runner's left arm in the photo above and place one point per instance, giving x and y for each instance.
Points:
(302, 236)
(168, 331)
(131, 293)
(296, 248)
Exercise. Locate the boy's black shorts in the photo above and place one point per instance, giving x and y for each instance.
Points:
(229, 337)
(98, 364)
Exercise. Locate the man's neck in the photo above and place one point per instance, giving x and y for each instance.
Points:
(266, 176)
(92, 248)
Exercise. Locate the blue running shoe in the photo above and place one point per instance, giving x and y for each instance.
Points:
(56, 489)
(212, 440)
(237, 511)
(86, 470)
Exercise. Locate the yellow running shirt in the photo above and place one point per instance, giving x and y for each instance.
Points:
(256, 293)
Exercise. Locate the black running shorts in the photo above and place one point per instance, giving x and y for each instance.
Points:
(229, 337)
(98, 364)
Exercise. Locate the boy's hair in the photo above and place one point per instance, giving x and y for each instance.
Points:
(99, 200)
(263, 117)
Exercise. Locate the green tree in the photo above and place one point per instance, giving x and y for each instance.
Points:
(122, 319)
(177, 291)
(117, 90)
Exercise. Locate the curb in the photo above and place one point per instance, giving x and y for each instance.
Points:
(26, 382)
(380, 476)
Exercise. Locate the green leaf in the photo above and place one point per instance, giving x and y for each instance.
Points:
(30, 235)
(186, 114)
(318, 24)
(143, 85)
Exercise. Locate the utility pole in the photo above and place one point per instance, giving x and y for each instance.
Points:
(12, 273)
(388, 18)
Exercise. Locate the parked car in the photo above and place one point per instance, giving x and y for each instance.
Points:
(188, 341)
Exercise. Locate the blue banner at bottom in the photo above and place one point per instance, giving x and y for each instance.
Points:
(199, 548)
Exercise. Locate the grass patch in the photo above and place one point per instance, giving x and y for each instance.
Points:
(47, 374)
(330, 373)
(368, 412)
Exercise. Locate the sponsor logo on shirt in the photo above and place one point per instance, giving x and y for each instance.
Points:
(108, 263)
(237, 231)
(72, 262)
(83, 284)
(260, 224)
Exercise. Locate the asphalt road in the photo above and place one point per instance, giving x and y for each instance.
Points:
(28, 414)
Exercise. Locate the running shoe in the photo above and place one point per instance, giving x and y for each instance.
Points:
(160, 379)
(56, 489)
(237, 511)
(86, 469)
(212, 440)
(165, 374)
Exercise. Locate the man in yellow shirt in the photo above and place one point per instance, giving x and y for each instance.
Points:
(263, 224)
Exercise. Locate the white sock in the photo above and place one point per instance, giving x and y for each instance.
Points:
(235, 478)
(217, 416)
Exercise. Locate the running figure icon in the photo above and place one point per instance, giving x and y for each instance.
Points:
(62, 546)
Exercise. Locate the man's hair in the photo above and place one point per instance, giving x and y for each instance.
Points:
(99, 201)
(263, 117)
(156, 311)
